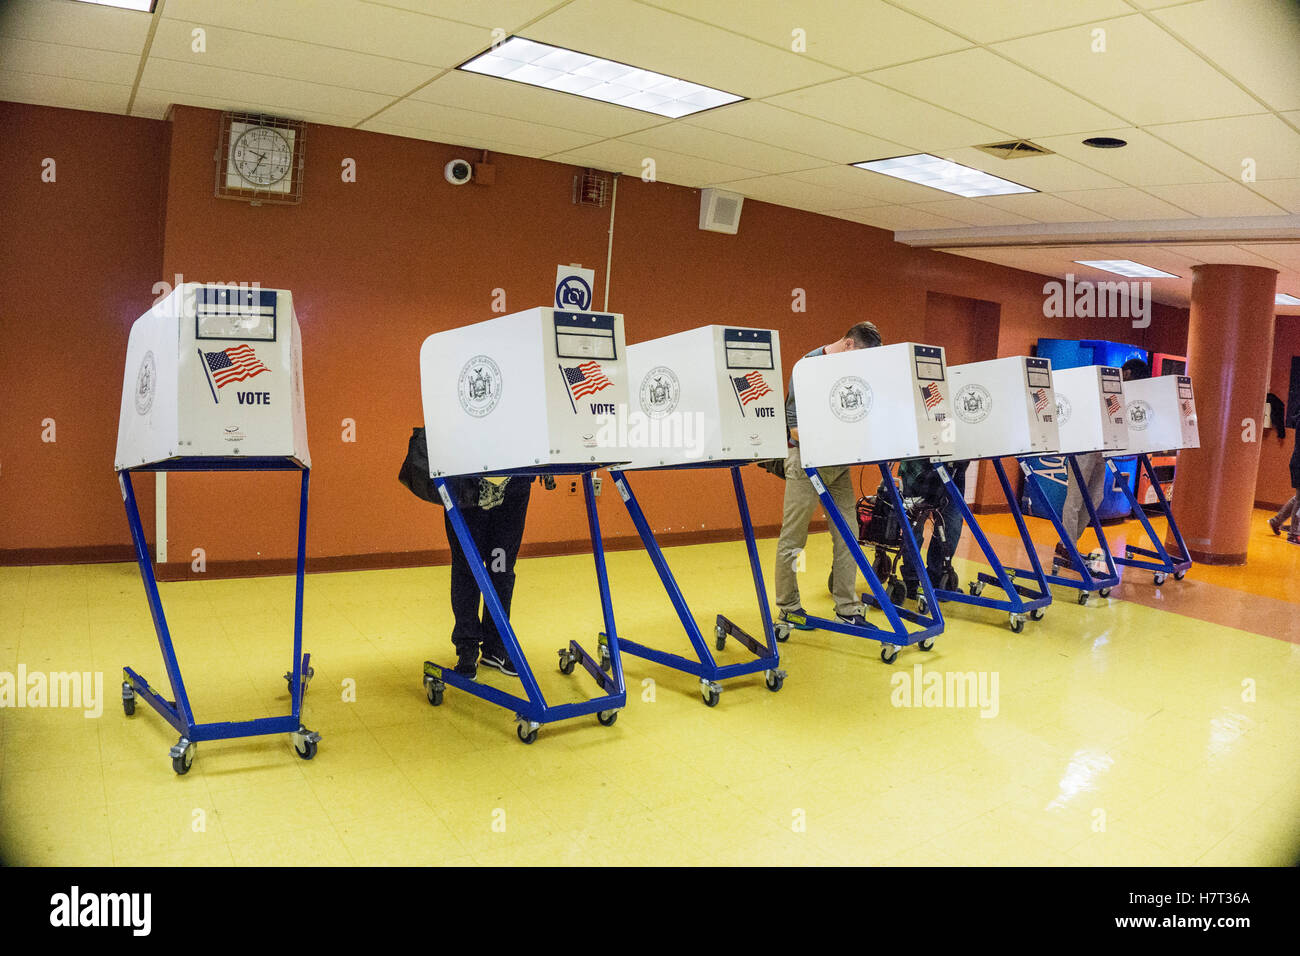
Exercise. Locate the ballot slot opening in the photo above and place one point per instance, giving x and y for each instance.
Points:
(748, 348)
(240, 315)
(1038, 378)
(584, 336)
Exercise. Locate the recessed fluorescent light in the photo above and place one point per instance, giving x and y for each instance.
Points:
(144, 6)
(1283, 298)
(555, 68)
(1126, 267)
(944, 174)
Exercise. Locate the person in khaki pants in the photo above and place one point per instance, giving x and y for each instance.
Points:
(801, 503)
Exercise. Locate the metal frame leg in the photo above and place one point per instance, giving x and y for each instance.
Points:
(1087, 581)
(1164, 562)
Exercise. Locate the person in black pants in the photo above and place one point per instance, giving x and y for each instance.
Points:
(920, 480)
(494, 511)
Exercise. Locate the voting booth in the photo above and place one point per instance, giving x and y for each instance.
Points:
(706, 398)
(872, 405)
(1090, 409)
(1004, 408)
(712, 394)
(875, 406)
(538, 392)
(1161, 416)
(213, 382)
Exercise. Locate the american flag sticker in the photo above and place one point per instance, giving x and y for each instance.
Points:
(1039, 396)
(749, 387)
(931, 395)
(1112, 405)
(585, 379)
(235, 364)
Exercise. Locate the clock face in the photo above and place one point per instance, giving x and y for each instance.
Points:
(261, 156)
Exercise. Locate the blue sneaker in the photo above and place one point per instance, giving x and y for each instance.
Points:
(857, 620)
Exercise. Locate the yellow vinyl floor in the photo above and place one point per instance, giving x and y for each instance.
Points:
(1120, 733)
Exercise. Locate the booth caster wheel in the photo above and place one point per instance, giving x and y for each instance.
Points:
(182, 756)
(927, 644)
(128, 699)
(304, 743)
(781, 632)
(1037, 613)
(720, 635)
(526, 730)
(1159, 578)
(433, 690)
(711, 693)
(567, 661)
(606, 661)
(1104, 592)
(775, 680)
(1179, 575)
(976, 588)
(606, 718)
(1017, 623)
(1083, 597)
(889, 653)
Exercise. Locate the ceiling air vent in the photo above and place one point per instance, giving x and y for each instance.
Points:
(1016, 149)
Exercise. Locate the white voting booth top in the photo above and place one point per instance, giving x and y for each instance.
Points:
(1161, 415)
(1003, 407)
(1090, 409)
(213, 371)
(870, 405)
(711, 394)
(535, 390)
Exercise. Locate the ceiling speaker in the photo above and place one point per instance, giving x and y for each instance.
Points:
(720, 210)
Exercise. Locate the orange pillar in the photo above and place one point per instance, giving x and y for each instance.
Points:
(1229, 351)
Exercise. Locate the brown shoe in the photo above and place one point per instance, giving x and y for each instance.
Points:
(1275, 525)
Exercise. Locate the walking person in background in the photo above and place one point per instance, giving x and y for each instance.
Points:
(1290, 509)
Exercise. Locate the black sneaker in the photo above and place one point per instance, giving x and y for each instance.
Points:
(500, 661)
(467, 663)
(857, 620)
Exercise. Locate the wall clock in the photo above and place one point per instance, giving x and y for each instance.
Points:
(260, 159)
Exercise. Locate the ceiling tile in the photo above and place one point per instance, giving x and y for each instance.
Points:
(897, 218)
(447, 124)
(1226, 143)
(789, 130)
(76, 24)
(784, 191)
(1285, 254)
(863, 105)
(973, 212)
(1145, 161)
(991, 20)
(471, 143)
(722, 147)
(991, 90)
(1044, 173)
(293, 59)
(1283, 192)
(876, 189)
(1217, 200)
(347, 24)
(489, 94)
(153, 104)
(1254, 41)
(855, 37)
(71, 62)
(1126, 202)
(70, 94)
(670, 167)
(657, 40)
(290, 96)
(1144, 75)
(1225, 254)
(1043, 207)
(506, 14)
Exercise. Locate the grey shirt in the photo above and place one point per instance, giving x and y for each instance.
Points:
(791, 418)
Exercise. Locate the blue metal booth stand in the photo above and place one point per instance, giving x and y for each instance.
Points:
(895, 635)
(532, 710)
(177, 711)
(705, 666)
(1159, 560)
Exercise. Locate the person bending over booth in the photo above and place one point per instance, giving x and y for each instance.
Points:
(801, 504)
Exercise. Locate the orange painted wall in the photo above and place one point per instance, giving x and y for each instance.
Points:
(78, 259)
(1273, 484)
(377, 265)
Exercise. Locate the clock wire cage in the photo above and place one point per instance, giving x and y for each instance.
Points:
(233, 183)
